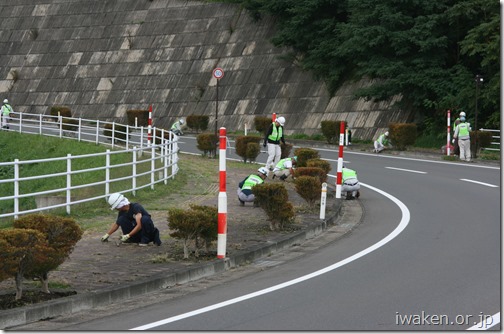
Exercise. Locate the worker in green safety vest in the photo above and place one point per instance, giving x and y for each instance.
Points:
(350, 185)
(462, 131)
(245, 187)
(284, 168)
(272, 140)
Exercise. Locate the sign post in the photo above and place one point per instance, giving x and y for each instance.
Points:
(218, 73)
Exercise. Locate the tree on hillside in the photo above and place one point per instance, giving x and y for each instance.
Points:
(426, 51)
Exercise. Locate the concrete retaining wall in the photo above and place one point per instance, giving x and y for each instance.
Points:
(104, 57)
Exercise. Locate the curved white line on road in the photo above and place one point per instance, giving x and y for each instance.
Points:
(402, 225)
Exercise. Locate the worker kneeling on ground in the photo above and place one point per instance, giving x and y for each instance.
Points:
(176, 128)
(284, 168)
(382, 142)
(350, 184)
(135, 222)
(245, 187)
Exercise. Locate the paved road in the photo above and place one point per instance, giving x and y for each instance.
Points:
(427, 257)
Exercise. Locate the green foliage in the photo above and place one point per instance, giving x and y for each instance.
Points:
(274, 200)
(199, 222)
(309, 188)
(323, 164)
(243, 150)
(61, 234)
(304, 154)
(331, 130)
(262, 124)
(142, 117)
(427, 52)
(197, 122)
(207, 142)
(402, 135)
(70, 124)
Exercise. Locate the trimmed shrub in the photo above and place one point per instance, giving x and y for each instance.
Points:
(273, 199)
(197, 122)
(61, 111)
(207, 142)
(193, 225)
(402, 135)
(253, 150)
(484, 139)
(262, 124)
(309, 188)
(119, 132)
(157, 137)
(305, 154)
(311, 171)
(241, 146)
(70, 124)
(323, 164)
(20, 250)
(286, 150)
(61, 234)
(331, 130)
(142, 117)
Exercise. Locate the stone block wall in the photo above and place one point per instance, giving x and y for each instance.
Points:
(104, 57)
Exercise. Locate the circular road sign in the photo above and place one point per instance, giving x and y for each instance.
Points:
(218, 73)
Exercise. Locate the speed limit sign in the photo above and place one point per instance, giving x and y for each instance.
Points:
(218, 73)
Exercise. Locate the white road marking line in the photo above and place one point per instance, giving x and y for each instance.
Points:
(482, 183)
(407, 170)
(487, 323)
(402, 225)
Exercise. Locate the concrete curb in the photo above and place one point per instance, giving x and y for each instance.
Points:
(81, 302)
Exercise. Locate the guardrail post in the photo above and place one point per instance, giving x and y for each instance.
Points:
(40, 124)
(134, 171)
(97, 132)
(69, 183)
(153, 166)
(107, 173)
(80, 130)
(16, 188)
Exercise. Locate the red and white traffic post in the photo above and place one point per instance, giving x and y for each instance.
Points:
(339, 176)
(149, 131)
(273, 117)
(448, 134)
(222, 201)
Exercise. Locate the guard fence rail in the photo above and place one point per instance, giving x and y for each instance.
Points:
(495, 140)
(151, 158)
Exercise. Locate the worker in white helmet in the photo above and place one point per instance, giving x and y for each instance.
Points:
(245, 187)
(382, 142)
(176, 128)
(272, 140)
(5, 111)
(456, 148)
(135, 222)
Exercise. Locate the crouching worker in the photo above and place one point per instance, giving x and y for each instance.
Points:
(284, 168)
(135, 222)
(350, 185)
(245, 187)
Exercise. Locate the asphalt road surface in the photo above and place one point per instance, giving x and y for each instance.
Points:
(426, 257)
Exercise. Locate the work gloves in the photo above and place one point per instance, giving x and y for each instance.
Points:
(105, 237)
(125, 237)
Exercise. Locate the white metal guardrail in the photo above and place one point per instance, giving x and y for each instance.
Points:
(495, 140)
(158, 160)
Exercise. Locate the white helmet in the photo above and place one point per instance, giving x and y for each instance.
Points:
(462, 114)
(281, 120)
(5, 101)
(115, 199)
(386, 134)
(263, 171)
(181, 121)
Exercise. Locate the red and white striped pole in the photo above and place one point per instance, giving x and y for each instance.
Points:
(222, 202)
(273, 117)
(339, 176)
(149, 131)
(448, 135)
